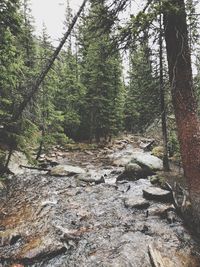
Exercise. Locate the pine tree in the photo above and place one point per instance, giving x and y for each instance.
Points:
(192, 23)
(142, 104)
(101, 75)
(48, 117)
(69, 93)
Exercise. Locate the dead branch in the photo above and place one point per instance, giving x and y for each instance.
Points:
(34, 168)
(155, 257)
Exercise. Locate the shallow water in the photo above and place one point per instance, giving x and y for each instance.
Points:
(61, 221)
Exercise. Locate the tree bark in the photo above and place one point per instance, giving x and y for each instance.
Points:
(185, 107)
(162, 99)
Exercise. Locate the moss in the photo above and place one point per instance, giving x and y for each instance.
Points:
(157, 151)
(157, 180)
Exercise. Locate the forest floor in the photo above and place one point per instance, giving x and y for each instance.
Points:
(89, 219)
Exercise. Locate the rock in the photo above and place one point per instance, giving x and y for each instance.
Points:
(160, 210)
(66, 170)
(17, 159)
(133, 168)
(3, 189)
(171, 216)
(157, 180)
(42, 250)
(155, 193)
(136, 202)
(147, 160)
(52, 161)
(132, 172)
(146, 145)
(157, 151)
(122, 162)
(91, 177)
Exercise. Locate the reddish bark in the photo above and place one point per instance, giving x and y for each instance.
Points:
(185, 108)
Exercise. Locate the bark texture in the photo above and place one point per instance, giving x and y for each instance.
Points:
(185, 108)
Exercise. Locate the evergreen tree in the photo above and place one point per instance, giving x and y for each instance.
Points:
(142, 104)
(69, 93)
(11, 63)
(48, 117)
(101, 75)
(192, 23)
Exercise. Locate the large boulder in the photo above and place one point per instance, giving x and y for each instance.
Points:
(66, 170)
(132, 172)
(145, 159)
(17, 159)
(91, 177)
(136, 202)
(155, 193)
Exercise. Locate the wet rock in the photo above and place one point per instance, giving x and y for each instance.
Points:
(134, 171)
(160, 210)
(157, 180)
(171, 216)
(17, 159)
(133, 168)
(121, 162)
(52, 161)
(136, 202)
(66, 170)
(39, 249)
(147, 160)
(147, 144)
(155, 193)
(91, 177)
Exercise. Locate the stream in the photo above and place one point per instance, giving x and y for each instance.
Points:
(65, 221)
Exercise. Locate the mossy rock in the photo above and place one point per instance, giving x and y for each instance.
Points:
(158, 151)
(157, 180)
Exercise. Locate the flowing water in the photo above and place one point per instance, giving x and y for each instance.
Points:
(62, 221)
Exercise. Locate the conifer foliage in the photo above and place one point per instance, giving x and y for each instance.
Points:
(102, 77)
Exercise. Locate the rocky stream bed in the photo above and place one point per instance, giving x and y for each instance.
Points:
(83, 217)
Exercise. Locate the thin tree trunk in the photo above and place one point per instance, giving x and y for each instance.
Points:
(47, 67)
(185, 108)
(162, 100)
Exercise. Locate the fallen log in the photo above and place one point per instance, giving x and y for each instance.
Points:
(156, 258)
(34, 168)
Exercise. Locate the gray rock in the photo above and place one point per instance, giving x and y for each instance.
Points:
(66, 170)
(91, 177)
(136, 202)
(146, 159)
(155, 193)
(17, 159)
(133, 168)
(160, 209)
(134, 171)
(122, 162)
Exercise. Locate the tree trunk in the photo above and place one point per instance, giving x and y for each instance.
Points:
(185, 108)
(162, 99)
